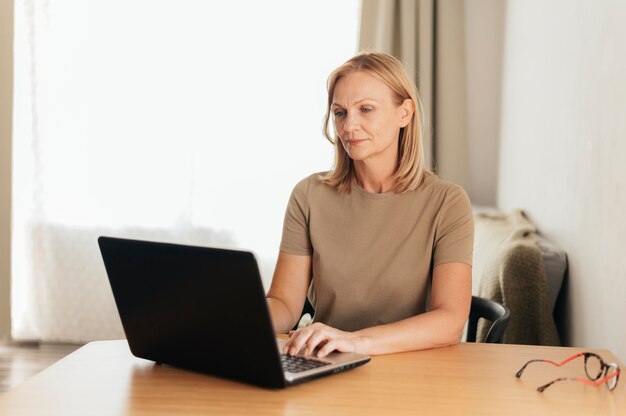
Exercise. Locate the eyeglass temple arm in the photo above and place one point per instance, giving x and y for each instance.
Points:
(567, 360)
(582, 380)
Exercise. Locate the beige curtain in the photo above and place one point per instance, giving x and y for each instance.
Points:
(428, 36)
(6, 116)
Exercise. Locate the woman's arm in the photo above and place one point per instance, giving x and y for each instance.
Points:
(287, 293)
(451, 296)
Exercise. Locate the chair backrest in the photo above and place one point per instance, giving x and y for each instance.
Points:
(307, 308)
(492, 311)
(481, 308)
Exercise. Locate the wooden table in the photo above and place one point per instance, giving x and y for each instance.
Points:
(103, 378)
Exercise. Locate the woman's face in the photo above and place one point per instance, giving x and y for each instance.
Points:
(367, 118)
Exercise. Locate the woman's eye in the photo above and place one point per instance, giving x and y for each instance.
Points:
(366, 109)
(339, 113)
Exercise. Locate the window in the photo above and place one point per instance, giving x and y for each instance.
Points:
(189, 121)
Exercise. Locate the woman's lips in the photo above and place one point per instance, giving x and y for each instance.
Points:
(353, 142)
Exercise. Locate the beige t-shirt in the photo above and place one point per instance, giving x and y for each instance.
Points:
(373, 254)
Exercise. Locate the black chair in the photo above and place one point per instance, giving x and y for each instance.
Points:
(491, 311)
(307, 308)
(481, 308)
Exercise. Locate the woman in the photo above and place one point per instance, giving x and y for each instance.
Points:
(383, 246)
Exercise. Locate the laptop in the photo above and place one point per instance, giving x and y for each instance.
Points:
(204, 309)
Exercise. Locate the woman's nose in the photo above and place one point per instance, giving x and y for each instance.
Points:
(351, 123)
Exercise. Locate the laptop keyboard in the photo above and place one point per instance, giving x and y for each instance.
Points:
(295, 364)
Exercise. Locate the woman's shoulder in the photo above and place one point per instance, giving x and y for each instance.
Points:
(312, 186)
(314, 181)
(443, 194)
(435, 185)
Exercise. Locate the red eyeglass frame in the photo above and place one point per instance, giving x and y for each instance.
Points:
(592, 380)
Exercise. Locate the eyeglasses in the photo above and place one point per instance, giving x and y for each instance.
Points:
(596, 369)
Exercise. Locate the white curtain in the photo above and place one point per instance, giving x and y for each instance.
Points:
(186, 121)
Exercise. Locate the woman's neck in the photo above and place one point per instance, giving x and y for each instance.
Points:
(374, 179)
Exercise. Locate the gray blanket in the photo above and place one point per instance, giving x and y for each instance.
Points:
(508, 268)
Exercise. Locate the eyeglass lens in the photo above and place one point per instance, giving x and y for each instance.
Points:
(595, 369)
(593, 366)
(611, 382)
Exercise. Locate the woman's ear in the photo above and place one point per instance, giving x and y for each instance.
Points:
(406, 112)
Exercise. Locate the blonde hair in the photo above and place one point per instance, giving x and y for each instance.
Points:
(410, 166)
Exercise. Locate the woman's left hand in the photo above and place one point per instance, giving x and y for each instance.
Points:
(324, 337)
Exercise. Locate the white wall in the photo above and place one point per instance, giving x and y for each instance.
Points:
(6, 95)
(563, 151)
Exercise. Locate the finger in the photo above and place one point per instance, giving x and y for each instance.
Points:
(317, 339)
(299, 341)
(292, 336)
(338, 344)
(330, 346)
(303, 340)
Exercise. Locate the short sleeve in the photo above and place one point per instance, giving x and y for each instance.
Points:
(454, 236)
(296, 238)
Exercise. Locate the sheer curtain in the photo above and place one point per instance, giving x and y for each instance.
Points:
(185, 121)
